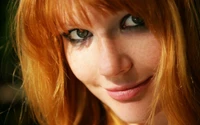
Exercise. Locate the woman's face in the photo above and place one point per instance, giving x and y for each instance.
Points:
(116, 59)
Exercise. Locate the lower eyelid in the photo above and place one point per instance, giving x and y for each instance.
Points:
(135, 29)
(80, 42)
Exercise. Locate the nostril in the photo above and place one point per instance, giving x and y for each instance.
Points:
(130, 65)
(126, 67)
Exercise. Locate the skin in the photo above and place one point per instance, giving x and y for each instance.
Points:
(113, 58)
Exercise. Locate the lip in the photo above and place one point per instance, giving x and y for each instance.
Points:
(125, 93)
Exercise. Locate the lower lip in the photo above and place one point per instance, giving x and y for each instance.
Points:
(126, 95)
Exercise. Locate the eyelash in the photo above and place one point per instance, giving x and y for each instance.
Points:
(77, 32)
(127, 23)
(136, 22)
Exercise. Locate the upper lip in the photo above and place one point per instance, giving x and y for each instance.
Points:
(127, 87)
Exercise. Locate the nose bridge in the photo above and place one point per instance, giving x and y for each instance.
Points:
(112, 59)
(109, 54)
(108, 48)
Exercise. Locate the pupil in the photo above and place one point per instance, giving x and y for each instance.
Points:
(137, 20)
(82, 33)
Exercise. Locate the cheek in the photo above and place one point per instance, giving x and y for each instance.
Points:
(151, 53)
(81, 64)
(145, 51)
(78, 66)
(151, 58)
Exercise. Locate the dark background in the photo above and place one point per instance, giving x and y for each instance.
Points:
(13, 107)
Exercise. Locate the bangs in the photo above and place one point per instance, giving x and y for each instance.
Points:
(60, 15)
(53, 17)
(74, 13)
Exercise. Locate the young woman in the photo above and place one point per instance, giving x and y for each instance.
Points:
(95, 62)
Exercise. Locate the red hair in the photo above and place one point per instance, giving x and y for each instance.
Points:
(57, 97)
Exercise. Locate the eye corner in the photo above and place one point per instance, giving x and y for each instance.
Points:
(65, 34)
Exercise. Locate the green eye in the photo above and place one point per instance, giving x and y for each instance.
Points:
(131, 21)
(77, 35)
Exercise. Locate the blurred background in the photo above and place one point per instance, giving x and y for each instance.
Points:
(13, 109)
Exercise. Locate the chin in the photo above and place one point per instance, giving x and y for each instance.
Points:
(130, 114)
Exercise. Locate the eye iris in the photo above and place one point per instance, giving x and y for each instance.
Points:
(137, 20)
(82, 33)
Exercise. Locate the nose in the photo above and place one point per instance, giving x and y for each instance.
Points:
(112, 60)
